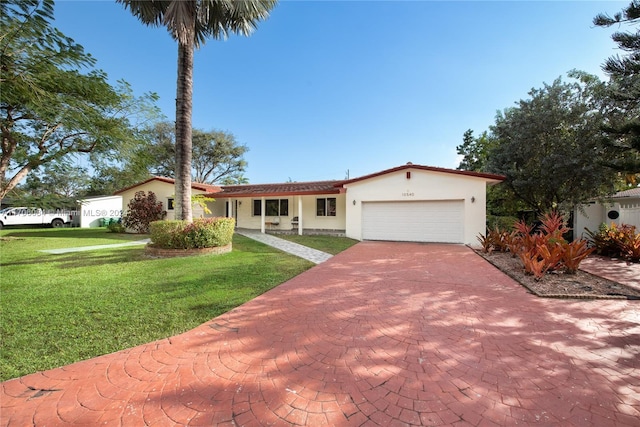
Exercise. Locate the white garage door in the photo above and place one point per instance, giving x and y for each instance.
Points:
(420, 221)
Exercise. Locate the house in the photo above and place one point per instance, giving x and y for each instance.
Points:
(621, 208)
(164, 189)
(406, 203)
(94, 210)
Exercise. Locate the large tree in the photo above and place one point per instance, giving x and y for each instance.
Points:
(475, 151)
(191, 23)
(217, 156)
(623, 119)
(549, 146)
(50, 111)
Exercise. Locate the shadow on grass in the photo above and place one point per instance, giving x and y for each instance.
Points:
(72, 233)
(86, 259)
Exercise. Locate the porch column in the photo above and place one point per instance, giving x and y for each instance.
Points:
(230, 208)
(300, 215)
(262, 215)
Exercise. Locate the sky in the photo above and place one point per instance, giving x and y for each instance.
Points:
(329, 89)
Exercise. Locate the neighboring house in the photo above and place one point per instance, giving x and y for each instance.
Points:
(164, 189)
(94, 209)
(622, 208)
(407, 203)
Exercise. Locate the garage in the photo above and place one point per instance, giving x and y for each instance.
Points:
(414, 221)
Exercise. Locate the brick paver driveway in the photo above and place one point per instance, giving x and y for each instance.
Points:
(382, 334)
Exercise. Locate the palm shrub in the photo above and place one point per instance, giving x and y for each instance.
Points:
(201, 233)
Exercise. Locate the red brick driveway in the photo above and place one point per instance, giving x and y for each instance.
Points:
(382, 334)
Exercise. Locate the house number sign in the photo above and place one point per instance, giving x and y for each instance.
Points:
(408, 194)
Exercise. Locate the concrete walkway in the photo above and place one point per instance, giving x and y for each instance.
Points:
(301, 251)
(382, 334)
(93, 248)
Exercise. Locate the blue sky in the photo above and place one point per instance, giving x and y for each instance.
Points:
(323, 87)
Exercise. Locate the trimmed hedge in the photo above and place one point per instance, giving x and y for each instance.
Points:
(201, 233)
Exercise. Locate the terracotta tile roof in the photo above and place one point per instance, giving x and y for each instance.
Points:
(210, 189)
(488, 176)
(634, 192)
(281, 189)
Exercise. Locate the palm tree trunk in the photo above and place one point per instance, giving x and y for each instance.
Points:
(184, 107)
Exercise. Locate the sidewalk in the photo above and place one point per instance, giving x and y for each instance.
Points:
(613, 269)
(92, 248)
(301, 251)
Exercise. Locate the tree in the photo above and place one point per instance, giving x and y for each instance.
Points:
(142, 210)
(549, 147)
(49, 110)
(475, 151)
(622, 123)
(59, 179)
(190, 23)
(217, 156)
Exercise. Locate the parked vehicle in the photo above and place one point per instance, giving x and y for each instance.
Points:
(34, 216)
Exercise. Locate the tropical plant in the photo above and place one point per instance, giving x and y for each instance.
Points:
(190, 23)
(616, 241)
(540, 250)
(574, 253)
(496, 239)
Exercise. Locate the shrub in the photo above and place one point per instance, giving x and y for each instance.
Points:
(616, 241)
(201, 233)
(496, 240)
(574, 253)
(116, 227)
(543, 250)
(142, 210)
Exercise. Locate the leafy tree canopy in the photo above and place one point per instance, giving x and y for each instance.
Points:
(217, 156)
(49, 110)
(549, 146)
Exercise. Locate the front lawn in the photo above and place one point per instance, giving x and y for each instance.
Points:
(58, 309)
(329, 244)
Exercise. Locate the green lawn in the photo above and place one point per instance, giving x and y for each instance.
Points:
(58, 309)
(329, 244)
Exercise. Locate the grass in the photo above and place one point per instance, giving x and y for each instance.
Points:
(58, 309)
(329, 244)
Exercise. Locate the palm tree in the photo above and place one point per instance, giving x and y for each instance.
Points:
(190, 23)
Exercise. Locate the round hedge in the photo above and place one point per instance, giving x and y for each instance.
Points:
(201, 233)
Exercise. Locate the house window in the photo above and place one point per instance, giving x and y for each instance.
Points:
(326, 206)
(170, 202)
(272, 207)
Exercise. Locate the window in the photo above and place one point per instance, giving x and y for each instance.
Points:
(326, 207)
(170, 202)
(272, 207)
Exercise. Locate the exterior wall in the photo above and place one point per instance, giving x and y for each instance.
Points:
(589, 216)
(94, 209)
(245, 218)
(163, 191)
(594, 214)
(423, 185)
